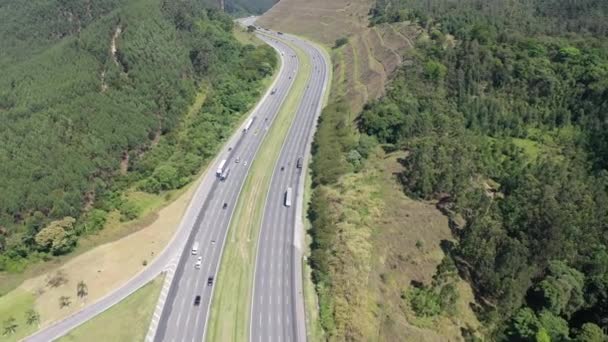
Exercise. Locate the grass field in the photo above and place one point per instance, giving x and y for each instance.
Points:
(124, 322)
(229, 320)
(16, 306)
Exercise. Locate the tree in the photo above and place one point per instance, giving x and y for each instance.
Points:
(82, 290)
(10, 326)
(56, 237)
(32, 317)
(590, 333)
(542, 336)
(555, 326)
(561, 292)
(524, 325)
(64, 301)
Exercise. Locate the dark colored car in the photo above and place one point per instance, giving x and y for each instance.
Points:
(209, 281)
(299, 164)
(225, 205)
(197, 300)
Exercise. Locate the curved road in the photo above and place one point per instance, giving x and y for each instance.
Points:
(277, 310)
(181, 319)
(207, 220)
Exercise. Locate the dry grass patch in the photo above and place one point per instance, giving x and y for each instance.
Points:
(126, 321)
(408, 244)
(103, 268)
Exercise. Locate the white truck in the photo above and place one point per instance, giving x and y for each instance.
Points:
(288, 197)
(220, 168)
(225, 175)
(248, 125)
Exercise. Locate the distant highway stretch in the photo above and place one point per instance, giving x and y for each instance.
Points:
(205, 224)
(184, 317)
(277, 311)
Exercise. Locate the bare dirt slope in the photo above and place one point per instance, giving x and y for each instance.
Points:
(362, 66)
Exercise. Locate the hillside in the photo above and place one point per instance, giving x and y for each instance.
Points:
(369, 239)
(370, 55)
(497, 124)
(463, 197)
(98, 106)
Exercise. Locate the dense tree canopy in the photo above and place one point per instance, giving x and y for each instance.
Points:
(109, 89)
(503, 114)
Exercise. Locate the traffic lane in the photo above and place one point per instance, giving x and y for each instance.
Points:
(249, 151)
(273, 248)
(217, 263)
(287, 70)
(184, 294)
(277, 301)
(309, 102)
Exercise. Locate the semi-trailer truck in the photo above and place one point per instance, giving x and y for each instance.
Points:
(220, 168)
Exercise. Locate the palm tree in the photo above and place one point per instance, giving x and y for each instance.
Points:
(32, 317)
(64, 301)
(10, 326)
(82, 290)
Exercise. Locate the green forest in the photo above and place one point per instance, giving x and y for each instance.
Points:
(74, 110)
(503, 116)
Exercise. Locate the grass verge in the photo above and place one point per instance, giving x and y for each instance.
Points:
(125, 321)
(314, 330)
(229, 320)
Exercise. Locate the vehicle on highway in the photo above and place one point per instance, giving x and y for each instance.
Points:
(209, 281)
(282, 168)
(197, 300)
(245, 163)
(199, 262)
(195, 248)
(280, 33)
(225, 175)
(237, 160)
(273, 91)
(248, 125)
(299, 163)
(225, 205)
(213, 242)
(288, 197)
(220, 168)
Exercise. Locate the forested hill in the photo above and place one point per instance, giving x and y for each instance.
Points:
(502, 116)
(92, 101)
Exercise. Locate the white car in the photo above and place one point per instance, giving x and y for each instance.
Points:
(199, 262)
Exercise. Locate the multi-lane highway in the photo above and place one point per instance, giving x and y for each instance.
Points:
(208, 216)
(277, 311)
(181, 319)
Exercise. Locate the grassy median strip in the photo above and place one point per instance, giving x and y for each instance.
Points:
(126, 321)
(229, 320)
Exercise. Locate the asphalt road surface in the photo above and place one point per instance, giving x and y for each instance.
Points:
(277, 311)
(181, 319)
